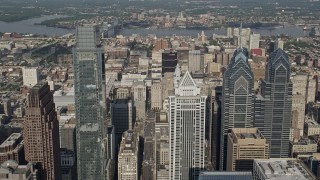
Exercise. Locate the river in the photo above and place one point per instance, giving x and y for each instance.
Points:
(29, 26)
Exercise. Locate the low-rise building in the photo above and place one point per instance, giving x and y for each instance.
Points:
(12, 149)
(227, 175)
(311, 127)
(280, 169)
(244, 145)
(11, 170)
(304, 145)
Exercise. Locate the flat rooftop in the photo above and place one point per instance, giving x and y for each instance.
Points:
(283, 169)
(11, 140)
(89, 127)
(249, 136)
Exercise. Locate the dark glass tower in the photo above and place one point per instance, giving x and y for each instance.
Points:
(237, 99)
(273, 106)
(89, 101)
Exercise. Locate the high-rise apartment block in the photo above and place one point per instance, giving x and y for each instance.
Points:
(254, 41)
(41, 132)
(245, 145)
(195, 62)
(30, 76)
(89, 76)
(273, 106)
(128, 157)
(187, 130)
(237, 99)
(278, 44)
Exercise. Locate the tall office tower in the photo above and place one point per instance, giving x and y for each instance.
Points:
(110, 152)
(122, 117)
(273, 106)
(237, 99)
(187, 130)
(128, 157)
(140, 99)
(254, 41)
(41, 132)
(156, 95)
(194, 62)
(89, 101)
(169, 61)
(245, 145)
(161, 150)
(30, 76)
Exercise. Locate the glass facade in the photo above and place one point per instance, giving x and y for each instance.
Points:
(237, 99)
(89, 101)
(273, 109)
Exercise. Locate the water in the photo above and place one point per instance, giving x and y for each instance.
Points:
(28, 26)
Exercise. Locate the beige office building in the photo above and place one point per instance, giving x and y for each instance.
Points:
(244, 145)
(156, 95)
(128, 157)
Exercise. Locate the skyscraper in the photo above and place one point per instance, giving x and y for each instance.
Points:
(41, 132)
(237, 99)
(89, 101)
(128, 157)
(273, 106)
(187, 130)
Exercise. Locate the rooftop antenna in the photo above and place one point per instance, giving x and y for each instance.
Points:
(241, 34)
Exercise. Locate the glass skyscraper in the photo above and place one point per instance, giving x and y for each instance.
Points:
(237, 100)
(89, 100)
(187, 130)
(273, 106)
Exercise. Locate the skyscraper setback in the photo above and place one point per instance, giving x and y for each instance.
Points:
(89, 100)
(273, 106)
(237, 99)
(41, 132)
(187, 130)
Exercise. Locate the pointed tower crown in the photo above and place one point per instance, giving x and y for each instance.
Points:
(187, 86)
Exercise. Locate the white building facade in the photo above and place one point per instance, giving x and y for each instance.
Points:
(187, 130)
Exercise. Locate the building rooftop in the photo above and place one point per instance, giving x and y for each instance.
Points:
(225, 175)
(11, 140)
(161, 117)
(283, 169)
(304, 141)
(249, 136)
(89, 127)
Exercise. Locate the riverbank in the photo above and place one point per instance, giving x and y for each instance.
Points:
(35, 26)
